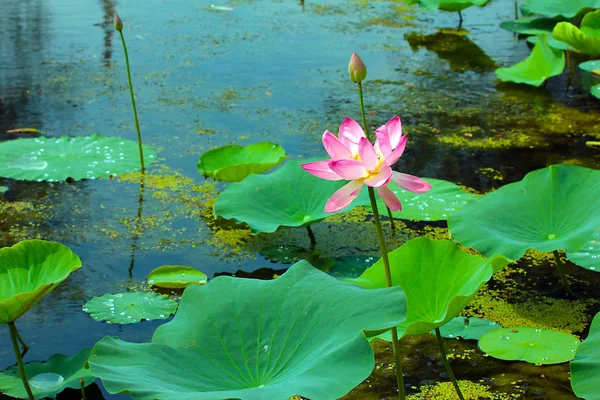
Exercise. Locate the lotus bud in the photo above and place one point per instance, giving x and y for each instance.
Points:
(118, 23)
(357, 69)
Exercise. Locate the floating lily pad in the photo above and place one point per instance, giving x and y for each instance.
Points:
(585, 368)
(553, 208)
(29, 270)
(234, 163)
(252, 339)
(530, 25)
(585, 39)
(559, 8)
(3, 189)
(536, 346)
(592, 66)
(438, 278)
(450, 5)
(543, 63)
(595, 91)
(469, 328)
(437, 204)
(555, 44)
(350, 267)
(588, 256)
(57, 159)
(284, 254)
(129, 308)
(48, 378)
(176, 277)
(289, 196)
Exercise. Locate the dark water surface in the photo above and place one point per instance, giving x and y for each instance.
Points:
(268, 70)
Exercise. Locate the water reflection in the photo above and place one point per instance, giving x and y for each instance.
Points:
(108, 9)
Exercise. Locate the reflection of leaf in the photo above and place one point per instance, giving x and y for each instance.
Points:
(129, 308)
(68, 372)
(536, 346)
(585, 39)
(530, 25)
(450, 5)
(439, 280)
(543, 62)
(234, 163)
(56, 159)
(559, 8)
(458, 50)
(585, 368)
(255, 340)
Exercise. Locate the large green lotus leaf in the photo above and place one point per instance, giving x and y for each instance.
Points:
(536, 346)
(559, 8)
(543, 63)
(588, 256)
(56, 159)
(29, 270)
(439, 280)
(437, 204)
(555, 44)
(176, 277)
(450, 5)
(234, 163)
(129, 307)
(585, 368)
(46, 379)
(468, 328)
(251, 339)
(530, 25)
(585, 39)
(553, 208)
(289, 196)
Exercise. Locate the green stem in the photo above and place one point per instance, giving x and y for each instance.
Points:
(447, 364)
(460, 19)
(388, 283)
(135, 116)
(561, 271)
(393, 226)
(82, 388)
(13, 337)
(25, 347)
(311, 236)
(362, 112)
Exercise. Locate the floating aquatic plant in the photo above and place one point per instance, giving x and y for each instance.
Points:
(555, 44)
(235, 163)
(129, 307)
(59, 159)
(536, 346)
(559, 8)
(255, 340)
(469, 328)
(49, 378)
(585, 368)
(531, 25)
(448, 5)
(29, 270)
(176, 277)
(543, 63)
(586, 38)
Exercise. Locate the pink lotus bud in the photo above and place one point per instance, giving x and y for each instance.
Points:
(118, 23)
(357, 69)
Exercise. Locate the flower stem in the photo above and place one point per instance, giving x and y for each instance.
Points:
(25, 347)
(392, 225)
(388, 282)
(311, 236)
(362, 111)
(135, 116)
(13, 337)
(561, 271)
(447, 364)
(82, 381)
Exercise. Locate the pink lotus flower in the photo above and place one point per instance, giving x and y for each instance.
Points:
(354, 158)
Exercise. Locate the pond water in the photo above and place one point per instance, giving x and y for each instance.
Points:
(270, 70)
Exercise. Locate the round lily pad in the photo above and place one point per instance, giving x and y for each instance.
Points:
(585, 368)
(536, 346)
(551, 209)
(350, 267)
(57, 159)
(46, 379)
(252, 339)
(595, 91)
(592, 66)
(283, 254)
(234, 163)
(129, 308)
(289, 196)
(468, 328)
(176, 277)
(29, 270)
(588, 256)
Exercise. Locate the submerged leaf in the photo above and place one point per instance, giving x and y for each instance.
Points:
(585, 368)
(543, 63)
(48, 378)
(234, 163)
(57, 159)
(130, 307)
(553, 208)
(254, 340)
(29, 270)
(536, 346)
(176, 277)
